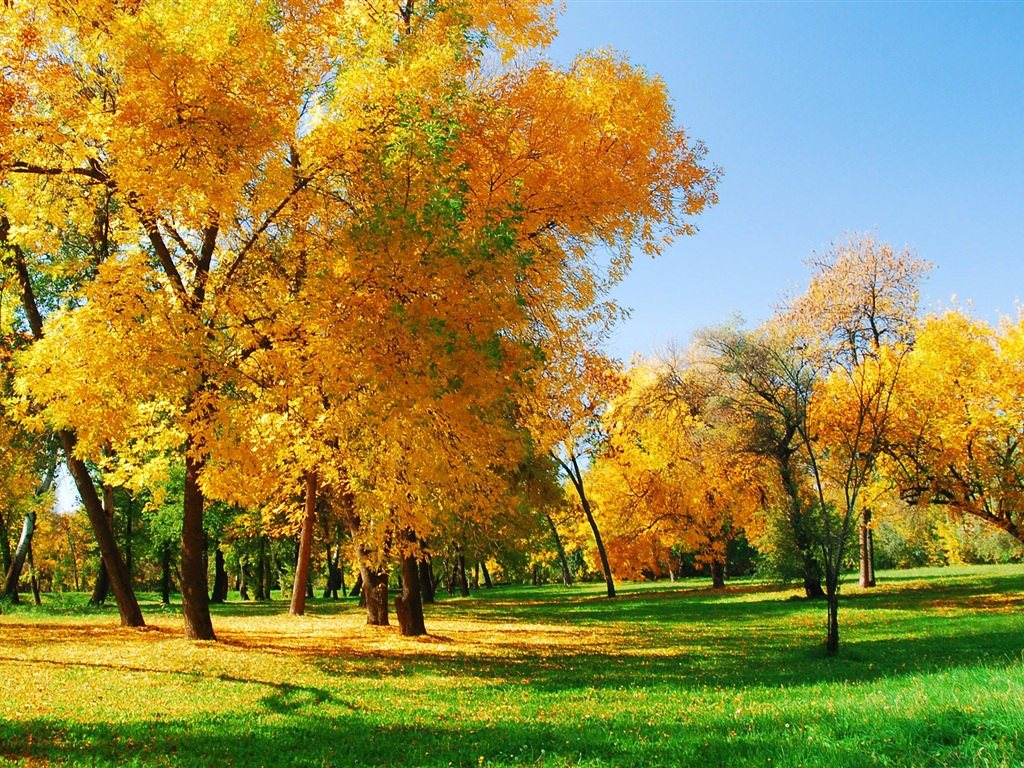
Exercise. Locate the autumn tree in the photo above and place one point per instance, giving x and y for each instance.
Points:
(432, 220)
(956, 434)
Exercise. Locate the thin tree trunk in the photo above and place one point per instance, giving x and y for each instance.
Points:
(832, 639)
(5, 546)
(487, 576)
(299, 588)
(867, 564)
(562, 559)
(261, 566)
(577, 480)
(476, 575)
(409, 604)
(243, 579)
(357, 587)
(461, 574)
(195, 598)
(32, 579)
(339, 567)
(165, 579)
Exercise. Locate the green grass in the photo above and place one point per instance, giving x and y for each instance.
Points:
(930, 673)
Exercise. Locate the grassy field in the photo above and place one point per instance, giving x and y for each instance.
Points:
(930, 673)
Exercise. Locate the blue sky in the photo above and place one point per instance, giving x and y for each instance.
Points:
(906, 120)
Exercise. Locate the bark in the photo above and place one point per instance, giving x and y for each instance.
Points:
(128, 539)
(460, 572)
(101, 588)
(243, 580)
(261, 567)
(577, 480)
(32, 579)
(220, 577)
(5, 546)
(832, 639)
(340, 569)
(301, 585)
(195, 599)
(165, 578)
(476, 576)
(333, 574)
(21, 552)
(867, 551)
(426, 575)
(487, 575)
(357, 587)
(375, 590)
(717, 574)
(798, 524)
(563, 561)
(409, 604)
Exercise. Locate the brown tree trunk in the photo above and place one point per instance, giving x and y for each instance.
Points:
(299, 588)
(487, 576)
(375, 591)
(867, 551)
(409, 604)
(832, 638)
(563, 561)
(101, 587)
(717, 574)
(460, 569)
(220, 577)
(261, 566)
(194, 595)
(5, 546)
(32, 579)
(165, 578)
(426, 576)
(357, 588)
(127, 604)
(577, 480)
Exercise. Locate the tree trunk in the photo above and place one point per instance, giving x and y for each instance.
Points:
(476, 576)
(717, 574)
(32, 579)
(128, 539)
(299, 588)
(487, 576)
(194, 593)
(832, 639)
(127, 604)
(409, 604)
(357, 587)
(21, 552)
(562, 559)
(339, 567)
(426, 576)
(165, 579)
(101, 588)
(5, 546)
(577, 480)
(333, 575)
(375, 591)
(261, 566)
(243, 579)
(867, 551)
(220, 577)
(460, 572)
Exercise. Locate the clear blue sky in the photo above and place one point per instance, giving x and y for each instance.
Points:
(828, 118)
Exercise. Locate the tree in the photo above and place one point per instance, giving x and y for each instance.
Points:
(431, 221)
(956, 436)
(671, 476)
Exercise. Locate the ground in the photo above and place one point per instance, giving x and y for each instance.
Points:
(930, 673)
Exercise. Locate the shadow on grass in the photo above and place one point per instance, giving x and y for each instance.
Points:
(944, 737)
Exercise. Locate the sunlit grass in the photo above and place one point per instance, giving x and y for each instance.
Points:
(930, 673)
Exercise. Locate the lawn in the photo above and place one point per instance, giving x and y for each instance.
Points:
(930, 673)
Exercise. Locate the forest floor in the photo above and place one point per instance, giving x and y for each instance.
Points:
(930, 673)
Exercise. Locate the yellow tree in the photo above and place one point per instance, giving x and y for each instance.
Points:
(433, 216)
(671, 475)
(956, 440)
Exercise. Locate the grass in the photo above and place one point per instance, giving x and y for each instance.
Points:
(930, 673)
